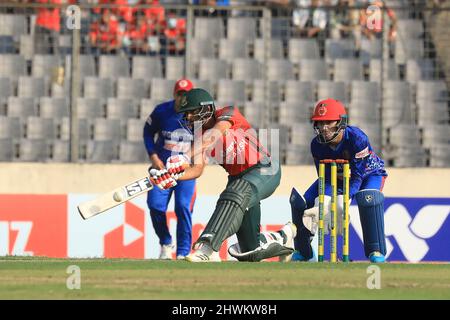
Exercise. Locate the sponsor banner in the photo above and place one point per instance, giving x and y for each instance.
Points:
(34, 225)
(417, 229)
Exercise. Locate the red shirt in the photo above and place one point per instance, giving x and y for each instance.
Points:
(49, 18)
(105, 33)
(241, 148)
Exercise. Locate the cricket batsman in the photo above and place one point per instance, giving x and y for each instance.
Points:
(337, 140)
(224, 136)
(172, 139)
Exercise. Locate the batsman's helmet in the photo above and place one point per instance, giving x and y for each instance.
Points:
(198, 101)
(329, 110)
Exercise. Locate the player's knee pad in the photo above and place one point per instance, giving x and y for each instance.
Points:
(298, 206)
(371, 213)
(228, 215)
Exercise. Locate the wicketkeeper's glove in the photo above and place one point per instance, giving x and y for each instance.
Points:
(162, 178)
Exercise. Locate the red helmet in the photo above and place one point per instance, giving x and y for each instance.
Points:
(328, 109)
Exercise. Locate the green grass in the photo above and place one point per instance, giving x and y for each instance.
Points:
(43, 278)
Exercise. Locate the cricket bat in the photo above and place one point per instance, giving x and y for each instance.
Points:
(113, 198)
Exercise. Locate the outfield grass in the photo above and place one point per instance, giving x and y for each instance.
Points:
(43, 278)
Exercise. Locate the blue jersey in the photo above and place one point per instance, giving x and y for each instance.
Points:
(172, 137)
(354, 147)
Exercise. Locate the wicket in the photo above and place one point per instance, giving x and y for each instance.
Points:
(333, 212)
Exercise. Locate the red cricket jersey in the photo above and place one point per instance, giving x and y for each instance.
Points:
(239, 147)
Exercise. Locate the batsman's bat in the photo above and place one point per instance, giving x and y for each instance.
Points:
(113, 198)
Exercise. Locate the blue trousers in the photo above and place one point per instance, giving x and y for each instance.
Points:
(158, 200)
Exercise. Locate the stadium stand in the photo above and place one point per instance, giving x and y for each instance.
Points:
(395, 84)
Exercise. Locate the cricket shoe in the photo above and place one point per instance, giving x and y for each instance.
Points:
(203, 253)
(288, 232)
(377, 257)
(166, 252)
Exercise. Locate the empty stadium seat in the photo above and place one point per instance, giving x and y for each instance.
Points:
(103, 151)
(280, 70)
(213, 69)
(12, 66)
(433, 113)
(364, 112)
(132, 152)
(90, 108)
(201, 48)
(419, 70)
(431, 91)
(162, 89)
(33, 150)
(375, 68)
(274, 48)
(230, 49)
(45, 66)
(300, 92)
(313, 70)
(10, 128)
(348, 70)
(370, 49)
(86, 63)
(21, 107)
(246, 69)
(231, 92)
(106, 129)
(128, 88)
(53, 108)
(30, 87)
(13, 24)
(266, 90)
(84, 132)
(98, 87)
(293, 112)
(146, 68)
(6, 149)
(241, 28)
(331, 89)
(40, 128)
(365, 91)
(338, 49)
(59, 151)
(301, 133)
(254, 113)
(174, 68)
(440, 155)
(209, 28)
(113, 66)
(406, 48)
(435, 135)
(135, 128)
(300, 49)
(121, 109)
(395, 112)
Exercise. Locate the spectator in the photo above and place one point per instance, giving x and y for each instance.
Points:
(47, 28)
(309, 22)
(175, 34)
(373, 29)
(344, 21)
(140, 37)
(105, 35)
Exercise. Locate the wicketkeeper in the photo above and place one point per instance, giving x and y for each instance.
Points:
(337, 140)
(224, 136)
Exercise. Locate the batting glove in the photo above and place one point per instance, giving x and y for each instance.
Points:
(176, 166)
(162, 179)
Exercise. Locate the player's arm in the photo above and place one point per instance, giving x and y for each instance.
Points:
(358, 163)
(151, 127)
(198, 157)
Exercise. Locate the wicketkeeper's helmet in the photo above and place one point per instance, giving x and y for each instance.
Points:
(329, 110)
